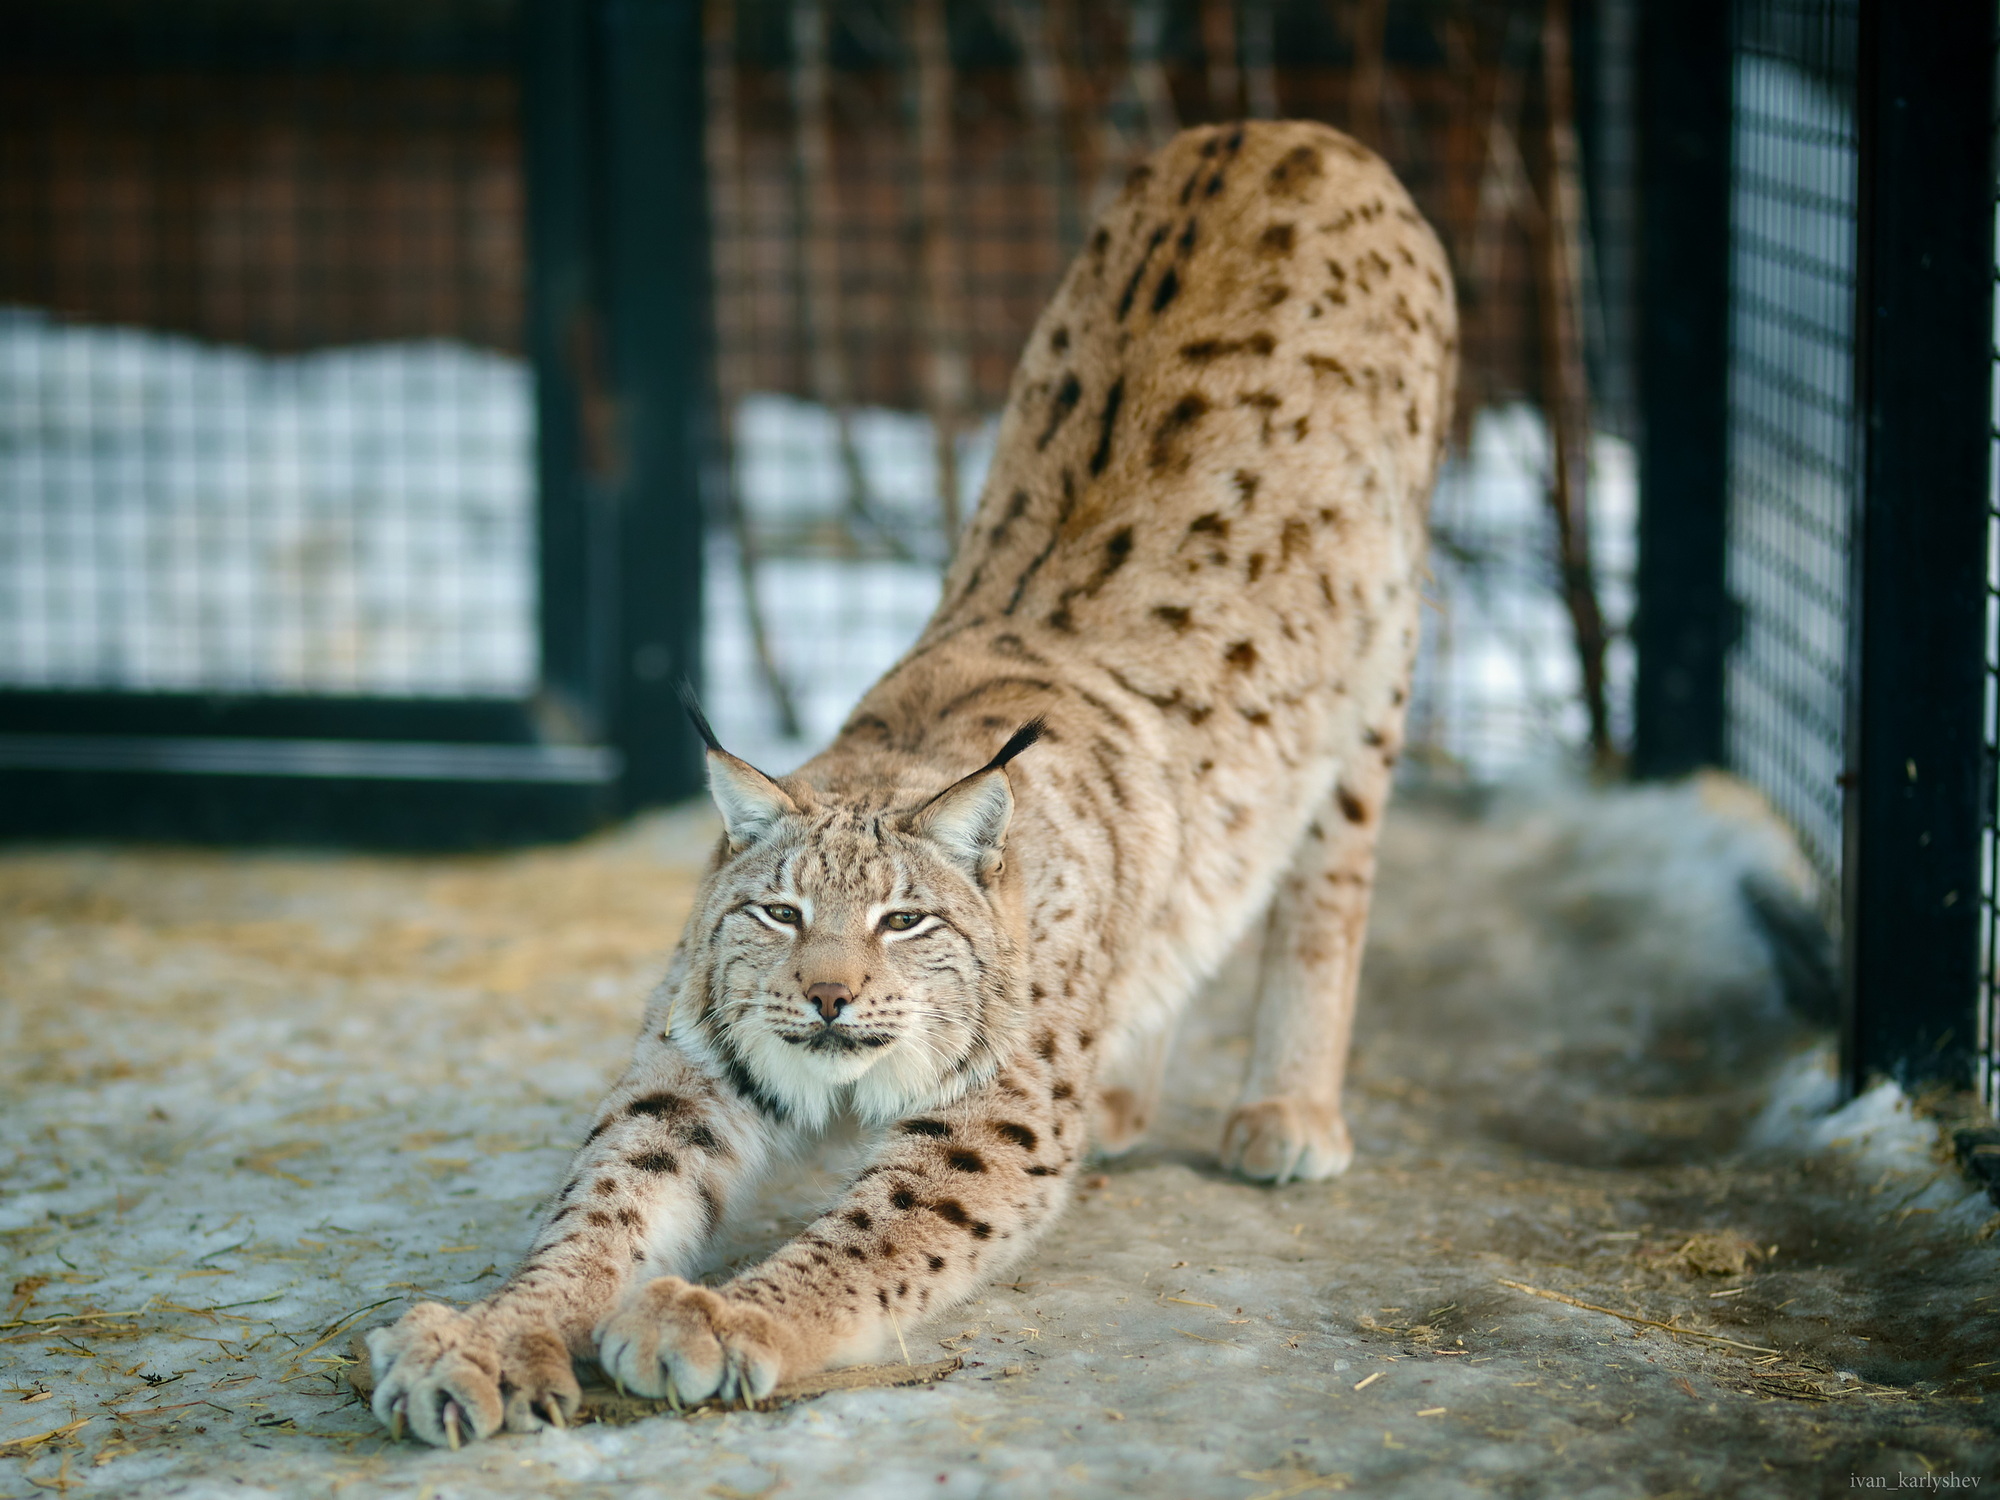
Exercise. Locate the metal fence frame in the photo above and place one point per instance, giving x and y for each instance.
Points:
(615, 328)
(1919, 779)
(617, 331)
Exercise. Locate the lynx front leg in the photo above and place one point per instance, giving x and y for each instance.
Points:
(949, 1200)
(643, 1195)
(1288, 1126)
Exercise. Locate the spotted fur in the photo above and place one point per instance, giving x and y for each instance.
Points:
(1195, 570)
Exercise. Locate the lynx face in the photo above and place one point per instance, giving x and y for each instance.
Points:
(854, 955)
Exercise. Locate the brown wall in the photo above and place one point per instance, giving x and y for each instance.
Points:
(279, 211)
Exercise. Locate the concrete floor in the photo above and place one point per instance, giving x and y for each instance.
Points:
(253, 1101)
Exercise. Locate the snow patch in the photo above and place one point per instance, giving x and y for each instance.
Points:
(183, 516)
(1498, 684)
(1877, 1136)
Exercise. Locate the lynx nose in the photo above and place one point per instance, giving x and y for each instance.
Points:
(831, 999)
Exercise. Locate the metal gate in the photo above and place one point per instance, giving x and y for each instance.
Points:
(1816, 551)
(330, 505)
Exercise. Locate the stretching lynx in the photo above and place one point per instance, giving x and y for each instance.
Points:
(1188, 605)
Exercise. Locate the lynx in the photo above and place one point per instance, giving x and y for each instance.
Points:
(1159, 702)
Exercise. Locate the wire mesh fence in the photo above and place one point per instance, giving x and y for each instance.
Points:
(1793, 455)
(270, 424)
(1857, 686)
(266, 427)
(895, 190)
(264, 424)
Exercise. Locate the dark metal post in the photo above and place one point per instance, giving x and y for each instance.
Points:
(1915, 743)
(563, 151)
(657, 300)
(1684, 617)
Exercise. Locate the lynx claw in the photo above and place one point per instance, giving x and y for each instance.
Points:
(1286, 1139)
(689, 1343)
(444, 1378)
(552, 1413)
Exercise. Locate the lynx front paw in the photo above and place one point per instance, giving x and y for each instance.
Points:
(447, 1376)
(1286, 1140)
(688, 1343)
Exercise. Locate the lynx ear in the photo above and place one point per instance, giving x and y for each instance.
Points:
(969, 818)
(750, 802)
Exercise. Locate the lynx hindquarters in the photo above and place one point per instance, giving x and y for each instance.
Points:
(1191, 587)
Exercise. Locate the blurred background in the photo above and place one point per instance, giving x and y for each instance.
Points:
(397, 400)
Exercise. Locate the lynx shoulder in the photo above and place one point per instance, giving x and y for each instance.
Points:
(1157, 707)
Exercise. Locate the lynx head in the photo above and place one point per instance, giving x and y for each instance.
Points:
(855, 952)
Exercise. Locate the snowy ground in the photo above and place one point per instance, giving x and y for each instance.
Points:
(255, 1100)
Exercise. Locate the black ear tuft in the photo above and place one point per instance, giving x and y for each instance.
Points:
(1020, 740)
(750, 802)
(700, 720)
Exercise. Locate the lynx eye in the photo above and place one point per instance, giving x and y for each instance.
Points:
(902, 921)
(788, 915)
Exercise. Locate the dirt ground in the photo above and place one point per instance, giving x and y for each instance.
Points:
(255, 1101)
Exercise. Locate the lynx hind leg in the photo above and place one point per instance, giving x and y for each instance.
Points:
(1128, 1095)
(1288, 1126)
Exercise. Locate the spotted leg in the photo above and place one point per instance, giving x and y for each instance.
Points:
(644, 1195)
(949, 1199)
(1288, 1126)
